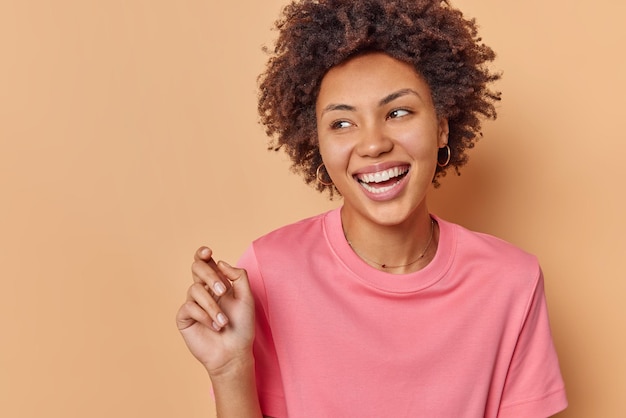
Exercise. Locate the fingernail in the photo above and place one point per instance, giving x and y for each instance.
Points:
(221, 319)
(219, 288)
(215, 326)
(204, 252)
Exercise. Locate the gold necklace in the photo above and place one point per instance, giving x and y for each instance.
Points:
(385, 266)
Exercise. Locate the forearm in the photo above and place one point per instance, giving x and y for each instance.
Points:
(235, 391)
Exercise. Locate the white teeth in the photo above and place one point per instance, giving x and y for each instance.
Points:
(377, 190)
(381, 176)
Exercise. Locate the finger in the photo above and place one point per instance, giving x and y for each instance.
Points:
(208, 274)
(190, 314)
(198, 294)
(219, 272)
(203, 253)
(239, 280)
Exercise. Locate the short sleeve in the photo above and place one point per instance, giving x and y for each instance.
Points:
(267, 368)
(534, 386)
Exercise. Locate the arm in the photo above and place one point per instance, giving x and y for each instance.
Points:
(534, 386)
(235, 390)
(217, 324)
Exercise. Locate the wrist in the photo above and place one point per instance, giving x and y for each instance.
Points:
(234, 388)
(235, 368)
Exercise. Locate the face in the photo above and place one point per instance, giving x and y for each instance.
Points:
(378, 136)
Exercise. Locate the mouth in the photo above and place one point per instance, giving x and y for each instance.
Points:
(382, 181)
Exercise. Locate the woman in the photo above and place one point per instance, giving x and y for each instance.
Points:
(379, 308)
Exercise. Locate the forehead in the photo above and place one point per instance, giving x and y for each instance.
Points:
(369, 78)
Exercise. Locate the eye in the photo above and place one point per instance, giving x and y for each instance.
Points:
(398, 113)
(340, 124)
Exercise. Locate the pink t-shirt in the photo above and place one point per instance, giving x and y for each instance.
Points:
(467, 336)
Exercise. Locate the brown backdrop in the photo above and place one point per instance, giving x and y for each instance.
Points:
(128, 138)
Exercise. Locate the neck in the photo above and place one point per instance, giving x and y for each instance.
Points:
(396, 249)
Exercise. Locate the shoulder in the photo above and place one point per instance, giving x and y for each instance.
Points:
(485, 245)
(287, 252)
(288, 243)
(295, 234)
(486, 255)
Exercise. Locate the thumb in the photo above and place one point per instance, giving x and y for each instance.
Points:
(239, 280)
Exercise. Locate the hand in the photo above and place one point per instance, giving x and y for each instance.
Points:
(217, 320)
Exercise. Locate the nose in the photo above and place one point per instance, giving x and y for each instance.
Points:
(374, 142)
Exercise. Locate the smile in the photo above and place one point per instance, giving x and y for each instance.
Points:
(382, 181)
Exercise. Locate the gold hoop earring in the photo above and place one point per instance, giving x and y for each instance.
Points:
(447, 158)
(320, 180)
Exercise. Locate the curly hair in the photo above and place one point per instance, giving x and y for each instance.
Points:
(316, 35)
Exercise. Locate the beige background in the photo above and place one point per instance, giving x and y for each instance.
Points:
(128, 137)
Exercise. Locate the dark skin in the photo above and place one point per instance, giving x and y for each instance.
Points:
(436, 40)
(217, 320)
(438, 45)
(217, 324)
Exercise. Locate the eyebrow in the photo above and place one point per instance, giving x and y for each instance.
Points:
(385, 100)
(393, 96)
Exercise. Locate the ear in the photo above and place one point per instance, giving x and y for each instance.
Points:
(442, 134)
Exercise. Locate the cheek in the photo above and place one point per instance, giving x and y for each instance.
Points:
(335, 154)
(421, 145)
